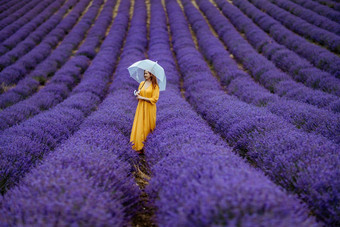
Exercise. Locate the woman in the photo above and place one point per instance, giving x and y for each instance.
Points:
(145, 116)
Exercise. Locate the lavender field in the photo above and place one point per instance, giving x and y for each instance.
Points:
(247, 130)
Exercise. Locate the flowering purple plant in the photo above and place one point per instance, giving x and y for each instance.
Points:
(309, 16)
(240, 84)
(297, 67)
(325, 38)
(196, 179)
(320, 9)
(13, 73)
(46, 130)
(58, 88)
(317, 55)
(33, 32)
(291, 158)
(14, 21)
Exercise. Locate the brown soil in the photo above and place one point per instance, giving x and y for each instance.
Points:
(144, 217)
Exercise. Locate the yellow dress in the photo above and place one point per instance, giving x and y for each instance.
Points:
(145, 116)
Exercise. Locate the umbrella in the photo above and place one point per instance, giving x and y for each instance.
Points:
(136, 71)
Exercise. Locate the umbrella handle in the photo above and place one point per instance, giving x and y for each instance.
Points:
(135, 92)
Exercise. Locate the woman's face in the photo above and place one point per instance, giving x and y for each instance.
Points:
(147, 75)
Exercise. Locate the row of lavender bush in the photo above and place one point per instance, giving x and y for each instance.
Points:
(4, 3)
(297, 67)
(13, 22)
(13, 73)
(10, 7)
(90, 172)
(331, 4)
(240, 84)
(309, 16)
(43, 70)
(291, 158)
(29, 32)
(42, 133)
(317, 55)
(7, 4)
(65, 79)
(265, 72)
(196, 179)
(320, 9)
(300, 26)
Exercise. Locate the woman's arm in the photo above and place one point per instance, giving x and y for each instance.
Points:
(153, 99)
(143, 98)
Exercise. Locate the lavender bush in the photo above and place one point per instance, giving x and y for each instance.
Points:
(185, 188)
(303, 28)
(58, 88)
(10, 24)
(320, 9)
(82, 183)
(330, 4)
(240, 84)
(32, 33)
(300, 69)
(309, 16)
(98, 149)
(317, 55)
(21, 67)
(226, 151)
(45, 131)
(297, 161)
(9, 7)
(265, 71)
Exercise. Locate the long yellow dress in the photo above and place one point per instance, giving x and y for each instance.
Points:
(145, 116)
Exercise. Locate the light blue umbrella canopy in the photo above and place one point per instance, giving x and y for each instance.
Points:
(136, 71)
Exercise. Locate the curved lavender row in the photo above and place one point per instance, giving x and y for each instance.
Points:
(6, 4)
(81, 185)
(303, 163)
(285, 59)
(11, 7)
(12, 13)
(99, 134)
(65, 79)
(29, 61)
(47, 67)
(265, 72)
(94, 148)
(53, 93)
(308, 15)
(42, 133)
(330, 4)
(30, 30)
(97, 149)
(317, 55)
(240, 84)
(320, 9)
(97, 33)
(121, 90)
(12, 23)
(300, 26)
(196, 179)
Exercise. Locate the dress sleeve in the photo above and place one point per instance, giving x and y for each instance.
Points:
(155, 95)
